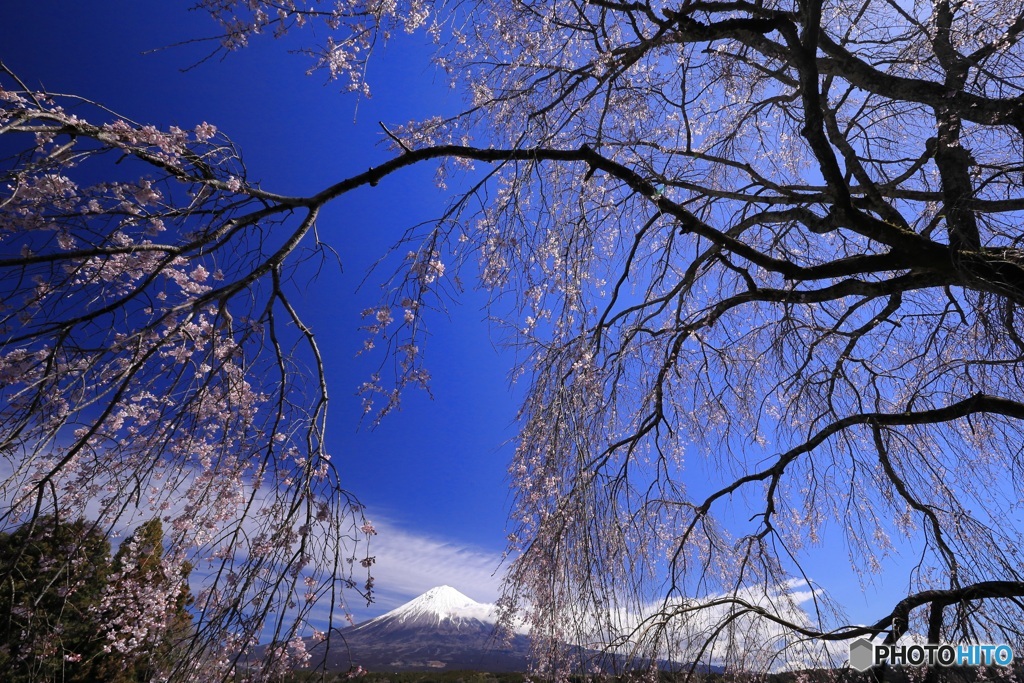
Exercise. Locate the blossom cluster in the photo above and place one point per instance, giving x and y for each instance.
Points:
(352, 27)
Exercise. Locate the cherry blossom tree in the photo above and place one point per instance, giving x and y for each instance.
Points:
(760, 259)
(145, 369)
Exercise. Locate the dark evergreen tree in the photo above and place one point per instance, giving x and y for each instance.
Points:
(53, 574)
(66, 605)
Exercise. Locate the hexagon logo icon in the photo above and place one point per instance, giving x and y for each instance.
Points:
(862, 654)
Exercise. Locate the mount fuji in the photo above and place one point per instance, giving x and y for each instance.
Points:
(445, 630)
(441, 629)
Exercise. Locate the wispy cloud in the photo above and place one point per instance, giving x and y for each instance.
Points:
(409, 563)
(722, 631)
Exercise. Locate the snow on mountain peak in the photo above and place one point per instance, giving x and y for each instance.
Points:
(442, 603)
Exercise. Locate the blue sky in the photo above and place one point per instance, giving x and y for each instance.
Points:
(433, 474)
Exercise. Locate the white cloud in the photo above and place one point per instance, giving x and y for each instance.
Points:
(720, 630)
(409, 564)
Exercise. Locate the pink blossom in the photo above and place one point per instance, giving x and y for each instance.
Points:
(204, 131)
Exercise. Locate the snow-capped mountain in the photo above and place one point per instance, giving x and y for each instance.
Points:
(442, 608)
(441, 629)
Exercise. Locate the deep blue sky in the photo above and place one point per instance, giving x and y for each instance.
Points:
(433, 474)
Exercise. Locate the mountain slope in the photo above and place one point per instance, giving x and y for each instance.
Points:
(441, 629)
